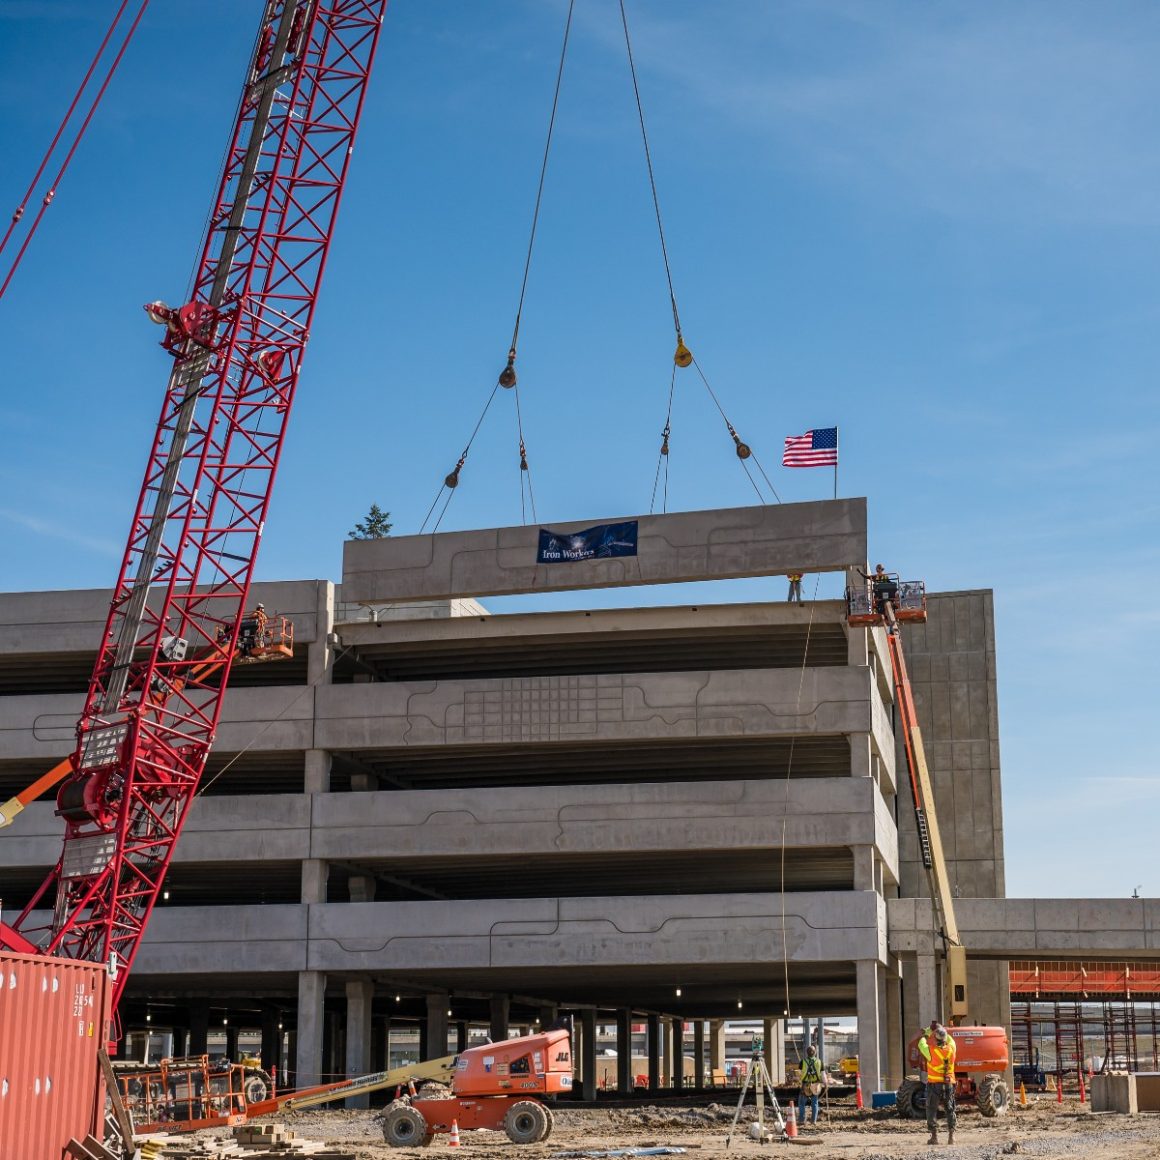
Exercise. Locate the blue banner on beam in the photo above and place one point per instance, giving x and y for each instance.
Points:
(598, 543)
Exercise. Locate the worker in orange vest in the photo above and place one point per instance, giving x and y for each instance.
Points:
(938, 1049)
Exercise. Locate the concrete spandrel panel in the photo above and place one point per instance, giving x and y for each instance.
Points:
(825, 536)
(721, 818)
(616, 706)
(549, 932)
(38, 622)
(72, 621)
(1020, 928)
(224, 939)
(41, 726)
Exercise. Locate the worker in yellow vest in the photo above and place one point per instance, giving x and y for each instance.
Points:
(813, 1080)
(795, 587)
(938, 1049)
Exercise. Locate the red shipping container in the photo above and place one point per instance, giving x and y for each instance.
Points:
(54, 1017)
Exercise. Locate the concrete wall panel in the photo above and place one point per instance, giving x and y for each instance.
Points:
(825, 536)
(731, 703)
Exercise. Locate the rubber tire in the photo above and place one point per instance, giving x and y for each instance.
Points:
(405, 1127)
(911, 1099)
(526, 1122)
(994, 1099)
(551, 1118)
(257, 1086)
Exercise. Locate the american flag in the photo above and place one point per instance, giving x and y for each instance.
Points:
(813, 449)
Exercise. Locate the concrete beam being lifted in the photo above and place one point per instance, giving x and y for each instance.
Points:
(727, 543)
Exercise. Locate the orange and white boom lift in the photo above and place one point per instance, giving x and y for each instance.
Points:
(887, 602)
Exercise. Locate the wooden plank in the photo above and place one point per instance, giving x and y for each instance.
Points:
(120, 1112)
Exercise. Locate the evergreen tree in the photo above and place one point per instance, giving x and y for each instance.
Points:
(376, 526)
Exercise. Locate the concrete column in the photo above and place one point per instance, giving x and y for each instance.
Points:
(436, 1046)
(699, 1055)
(624, 1076)
(232, 1043)
(317, 771)
(895, 1062)
(198, 1027)
(359, 995)
(929, 997)
(862, 763)
(311, 1011)
(654, 1053)
(716, 1044)
(548, 1015)
(820, 1036)
(666, 1030)
(677, 1056)
(320, 652)
(460, 1035)
(775, 1049)
(767, 1042)
(869, 978)
(362, 887)
(588, 1056)
(865, 876)
(501, 1007)
(180, 1042)
(271, 1050)
(314, 876)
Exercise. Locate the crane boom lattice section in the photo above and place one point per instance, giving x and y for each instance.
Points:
(177, 610)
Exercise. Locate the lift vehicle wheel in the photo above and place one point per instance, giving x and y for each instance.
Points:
(550, 1117)
(993, 1096)
(911, 1100)
(526, 1122)
(257, 1085)
(405, 1127)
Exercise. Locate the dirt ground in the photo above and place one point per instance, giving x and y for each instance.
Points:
(1043, 1129)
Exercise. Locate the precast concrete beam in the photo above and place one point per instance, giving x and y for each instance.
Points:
(1030, 928)
(645, 930)
(604, 707)
(580, 819)
(72, 621)
(824, 536)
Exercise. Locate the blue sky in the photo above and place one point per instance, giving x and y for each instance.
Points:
(934, 225)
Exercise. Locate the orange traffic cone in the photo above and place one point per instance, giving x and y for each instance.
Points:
(1022, 1094)
(1059, 1089)
(1082, 1089)
(454, 1141)
(858, 1091)
(791, 1124)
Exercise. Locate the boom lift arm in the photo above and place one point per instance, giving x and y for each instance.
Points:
(889, 603)
(174, 622)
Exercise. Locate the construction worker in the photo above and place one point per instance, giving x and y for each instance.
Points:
(882, 585)
(795, 587)
(938, 1049)
(252, 632)
(812, 1081)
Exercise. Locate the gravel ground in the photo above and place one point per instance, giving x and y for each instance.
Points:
(1043, 1129)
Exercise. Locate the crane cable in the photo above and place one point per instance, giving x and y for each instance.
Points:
(508, 379)
(18, 213)
(785, 799)
(683, 357)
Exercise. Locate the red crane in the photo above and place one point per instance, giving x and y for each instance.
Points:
(177, 620)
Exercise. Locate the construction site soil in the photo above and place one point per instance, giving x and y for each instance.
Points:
(1043, 1129)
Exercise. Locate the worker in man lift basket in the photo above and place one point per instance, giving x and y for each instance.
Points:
(937, 1048)
(813, 1080)
(882, 587)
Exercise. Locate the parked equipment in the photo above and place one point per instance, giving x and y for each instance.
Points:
(982, 1054)
(498, 1086)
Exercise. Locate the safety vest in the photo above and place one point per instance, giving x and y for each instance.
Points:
(811, 1070)
(940, 1060)
(795, 576)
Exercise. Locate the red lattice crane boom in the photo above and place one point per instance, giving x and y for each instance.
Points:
(173, 628)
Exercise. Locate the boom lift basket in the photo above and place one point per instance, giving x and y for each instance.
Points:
(908, 600)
